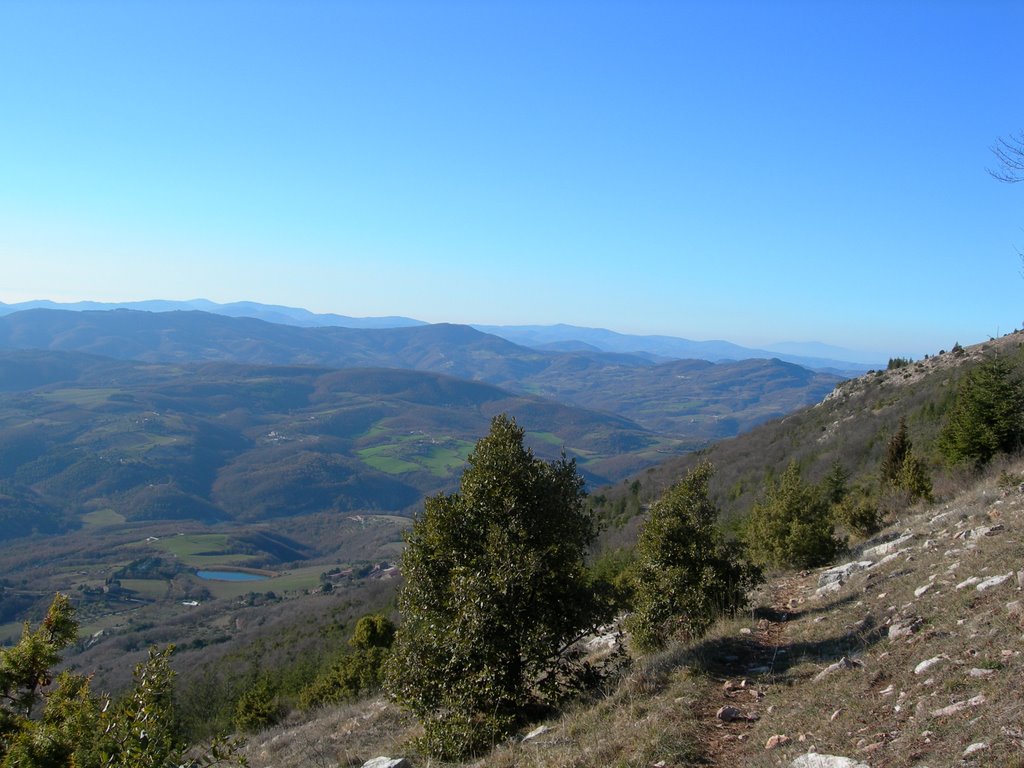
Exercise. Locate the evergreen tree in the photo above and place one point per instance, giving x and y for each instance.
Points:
(790, 526)
(901, 470)
(43, 726)
(896, 452)
(987, 416)
(835, 486)
(686, 573)
(495, 592)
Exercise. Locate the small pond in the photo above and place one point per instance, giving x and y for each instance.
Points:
(230, 576)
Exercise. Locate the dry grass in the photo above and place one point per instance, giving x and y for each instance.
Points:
(879, 712)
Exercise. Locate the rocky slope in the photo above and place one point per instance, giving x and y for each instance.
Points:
(909, 653)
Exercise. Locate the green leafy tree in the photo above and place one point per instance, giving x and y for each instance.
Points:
(987, 415)
(686, 573)
(790, 526)
(495, 594)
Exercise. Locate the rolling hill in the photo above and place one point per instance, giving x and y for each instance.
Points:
(693, 401)
(220, 441)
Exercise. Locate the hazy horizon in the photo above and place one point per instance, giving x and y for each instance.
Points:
(757, 173)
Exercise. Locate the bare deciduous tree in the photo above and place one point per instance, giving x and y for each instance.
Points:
(1009, 151)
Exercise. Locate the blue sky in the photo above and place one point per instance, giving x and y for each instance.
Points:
(750, 171)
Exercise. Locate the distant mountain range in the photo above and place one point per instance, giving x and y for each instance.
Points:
(561, 337)
(272, 313)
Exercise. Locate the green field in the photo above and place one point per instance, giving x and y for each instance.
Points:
(82, 396)
(147, 589)
(204, 550)
(103, 517)
(418, 453)
(382, 459)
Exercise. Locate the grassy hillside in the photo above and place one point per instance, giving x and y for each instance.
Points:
(851, 426)
(912, 660)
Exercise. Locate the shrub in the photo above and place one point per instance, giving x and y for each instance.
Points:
(358, 672)
(686, 573)
(859, 512)
(258, 707)
(790, 525)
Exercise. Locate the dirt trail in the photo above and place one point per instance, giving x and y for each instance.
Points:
(745, 674)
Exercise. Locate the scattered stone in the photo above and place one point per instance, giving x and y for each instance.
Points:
(1020, 579)
(921, 590)
(835, 715)
(818, 760)
(387, 762)
(928, 664)
(833, 586)
(889, 558)
(904, 627)
(536, 732)
(776, 741)
(606, 638)
(843, 663)
(981, 673)
(1015, 608)
(968, 582)
(746, 631)
(994, 581)
(881, 550)
(842, 572)
(960, 706)
(977, 746)
(734, 715)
